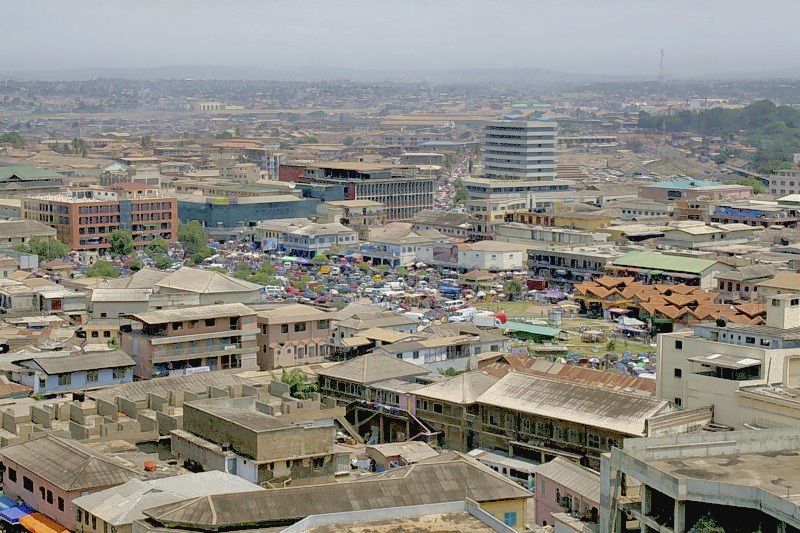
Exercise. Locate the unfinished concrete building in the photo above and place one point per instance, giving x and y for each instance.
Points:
(739, 481)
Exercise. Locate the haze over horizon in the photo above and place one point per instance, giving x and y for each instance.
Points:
(620, 38)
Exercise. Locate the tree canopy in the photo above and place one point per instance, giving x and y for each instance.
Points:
(192, 236)
(121, 242)
(46, 249)
(13, 138)
(512, 288)
(102, 269)
(774, 130)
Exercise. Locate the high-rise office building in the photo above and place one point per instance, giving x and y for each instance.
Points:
(519, 174)
(520, 150)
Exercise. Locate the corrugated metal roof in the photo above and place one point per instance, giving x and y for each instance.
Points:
(69, 465)
(581, 404)
(86, 361)
(572, 476)
(664, 262)
(461, 389)
(371, 368)
(444, 478)
(194, 313)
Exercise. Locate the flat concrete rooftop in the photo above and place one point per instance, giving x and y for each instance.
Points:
(448, 522)
(777, 472)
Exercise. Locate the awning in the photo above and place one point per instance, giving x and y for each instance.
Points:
(39, 523)
(6, 503)
(725, 361)
(13, 514)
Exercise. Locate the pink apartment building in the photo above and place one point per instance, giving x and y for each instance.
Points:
(49, 472)
(291, 335)
(566, 487)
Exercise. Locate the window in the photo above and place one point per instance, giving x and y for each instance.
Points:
(679, 345)
(299, 326)
(210, 322)
(120, 372)
(593, 440)
(27, 483)
(750, 340)
(323, 324)
(95, 334)
(61, 503)
(64, 379)
(510, 518)
(12, 475)
(678, 373)
(94, 522)
(106, 334)
(92, 375)
(41, 491)
(284, 328)
(678, 401)
(49, 496)
(437, 408)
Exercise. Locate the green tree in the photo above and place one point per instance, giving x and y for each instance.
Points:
(13, 138)
(461, 196)
(46, 249)
(299, 386)
(754, 183)
(146, 141)
(320, 259)
(136, 265)
(202, 254)
(79, 146)
(635, 145)
(159, 245)
(707, 524)
(121, 242)
(193, 237)
(307, 139)
(242, 271)
(512, 288)
(161, 261)
(267, 269)
(102, 269)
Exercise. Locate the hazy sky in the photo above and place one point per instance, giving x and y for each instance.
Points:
(621, 37)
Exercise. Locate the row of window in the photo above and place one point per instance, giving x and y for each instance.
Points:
(91, 376)
(27, 484)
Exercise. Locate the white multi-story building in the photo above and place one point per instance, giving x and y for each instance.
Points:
(749, 373)
(520, 150)
(519, 171)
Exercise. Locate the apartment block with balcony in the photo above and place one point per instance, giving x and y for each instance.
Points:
(749, 373)
(179, 341)
(84, 219)
(147, 213)
(291, 335)
(400, 189)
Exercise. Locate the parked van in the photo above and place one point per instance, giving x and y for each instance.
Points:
(273, 290)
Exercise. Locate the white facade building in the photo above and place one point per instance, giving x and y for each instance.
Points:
(522, 150)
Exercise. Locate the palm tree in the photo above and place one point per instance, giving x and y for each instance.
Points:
(299, 387)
